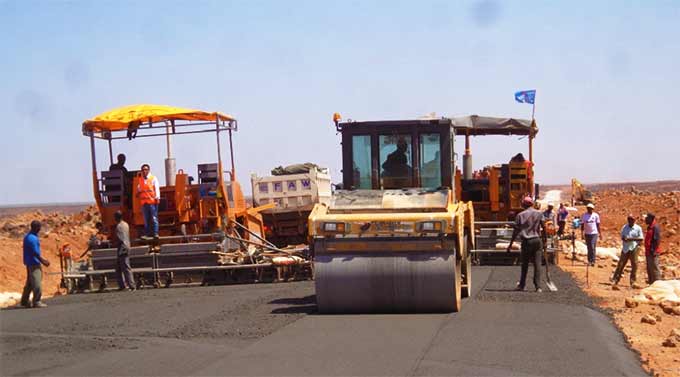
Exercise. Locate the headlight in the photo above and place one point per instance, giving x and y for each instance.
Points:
(430, 226)
(334, 227)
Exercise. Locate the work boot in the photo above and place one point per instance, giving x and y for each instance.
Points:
(39, 304)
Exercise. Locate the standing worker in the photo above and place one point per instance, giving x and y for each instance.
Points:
(122, 244)
(32, 261)
(590, 231)
(652, 248)
(631, 235)
(562, 215)
(549, 220)
(149, 194)
(125, 188)
(528, 225)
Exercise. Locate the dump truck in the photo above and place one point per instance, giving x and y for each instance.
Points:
(395, 238)
(294, 190)
(206, 230)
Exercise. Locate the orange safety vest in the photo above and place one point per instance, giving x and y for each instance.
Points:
(146, 190)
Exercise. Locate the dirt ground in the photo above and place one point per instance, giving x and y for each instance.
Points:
(613, 203)
(61, 224)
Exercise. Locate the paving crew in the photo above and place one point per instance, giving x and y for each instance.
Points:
(121, 241)
(631, 235)
(149, 194)
(652, 248)
(529, 224)
(33, 260)
(590, 231)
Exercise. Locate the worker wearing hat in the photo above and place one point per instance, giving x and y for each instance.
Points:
(529, 224)
(590, 231)
(631, 235)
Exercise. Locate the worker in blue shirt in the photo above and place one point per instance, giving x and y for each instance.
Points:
(33, 261)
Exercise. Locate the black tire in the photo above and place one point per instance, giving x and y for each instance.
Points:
(458, 287)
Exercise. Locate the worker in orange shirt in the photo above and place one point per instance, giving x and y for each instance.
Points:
(149, 194)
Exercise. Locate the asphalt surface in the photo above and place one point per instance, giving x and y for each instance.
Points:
(273, 329)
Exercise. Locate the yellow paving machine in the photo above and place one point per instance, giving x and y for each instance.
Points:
(206, 230)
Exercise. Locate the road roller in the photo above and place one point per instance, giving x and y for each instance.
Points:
(393, 238)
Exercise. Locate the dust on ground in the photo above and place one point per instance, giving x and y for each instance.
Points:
(614, 202)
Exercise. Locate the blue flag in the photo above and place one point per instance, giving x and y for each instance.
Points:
(526, 96)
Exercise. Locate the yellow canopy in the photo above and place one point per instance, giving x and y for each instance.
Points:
(134, 115)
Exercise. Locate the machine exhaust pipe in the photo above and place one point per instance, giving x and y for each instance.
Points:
(170, 171)
(467, 160)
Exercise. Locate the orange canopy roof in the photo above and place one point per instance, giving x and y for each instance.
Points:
(124, 117)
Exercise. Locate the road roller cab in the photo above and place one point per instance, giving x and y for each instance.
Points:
(394, 239)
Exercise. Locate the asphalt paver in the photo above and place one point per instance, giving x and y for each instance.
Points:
(273, 329)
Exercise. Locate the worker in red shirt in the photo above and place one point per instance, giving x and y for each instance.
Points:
(149, 194)
(652, 248)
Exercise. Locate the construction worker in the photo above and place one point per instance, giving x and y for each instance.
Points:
(122, 244)
(562, 215)
(652, 248)
(120, 164)
(529, 225)
(631, 235)
(33, 261)
(96, 241)
(549, 218)
(548, 214)
(149, 194)
(590, 231)
(396, 163)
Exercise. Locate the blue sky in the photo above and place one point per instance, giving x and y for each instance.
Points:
(606, 73)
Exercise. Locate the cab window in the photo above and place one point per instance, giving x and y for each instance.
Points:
(361, 161)
(395, 161)
(430, 161)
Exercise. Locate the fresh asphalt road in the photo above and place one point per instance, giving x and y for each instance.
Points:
(272, 329)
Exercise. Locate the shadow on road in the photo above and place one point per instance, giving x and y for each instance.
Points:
(295, 305)
(500, 290)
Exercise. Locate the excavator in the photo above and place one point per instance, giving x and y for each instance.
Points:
(579, 194)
